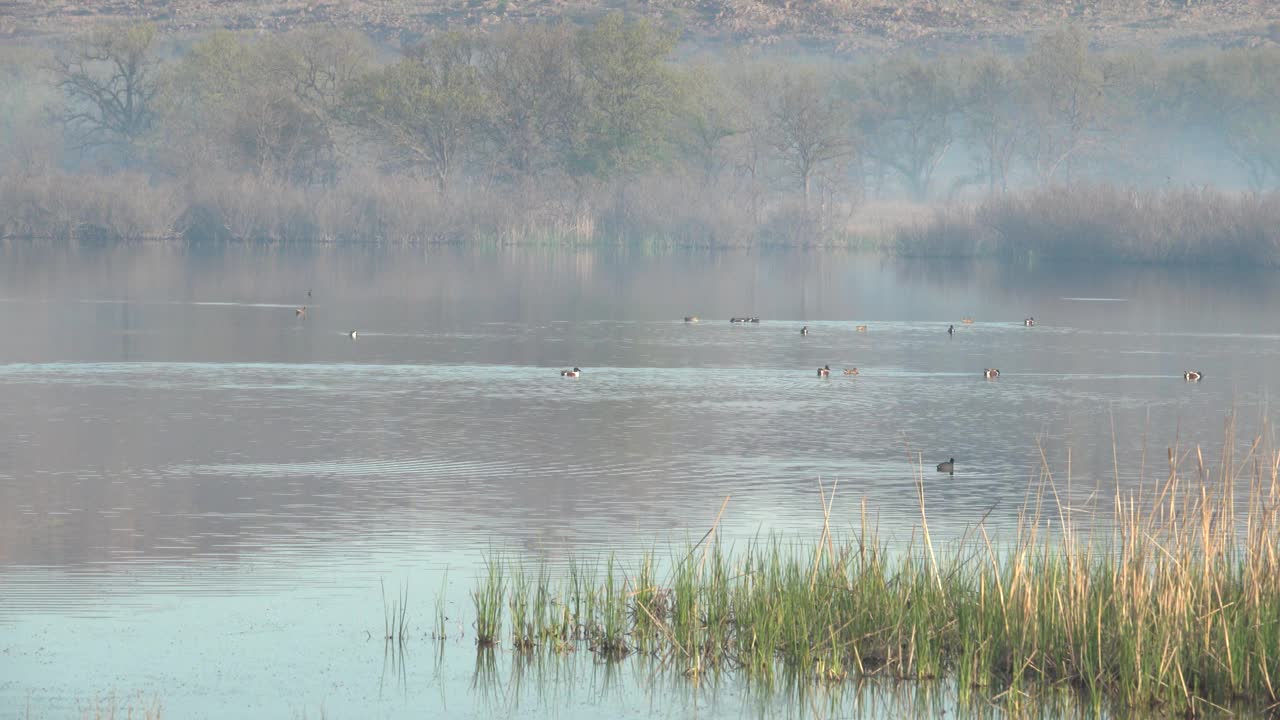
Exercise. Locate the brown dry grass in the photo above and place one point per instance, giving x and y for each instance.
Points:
(842, 25)
(1091, 222)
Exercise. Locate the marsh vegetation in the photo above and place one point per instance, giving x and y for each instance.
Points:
(617, 132)
(1160, 601)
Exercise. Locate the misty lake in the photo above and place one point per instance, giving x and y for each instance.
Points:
(203, 492)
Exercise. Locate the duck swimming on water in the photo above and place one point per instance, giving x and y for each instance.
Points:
(571, 373)
(804, 330)
(824, 371)
(948, 466)
(990, 373)
(1192, 376)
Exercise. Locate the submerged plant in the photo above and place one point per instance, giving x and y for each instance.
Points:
(439, 632)
(395, 615)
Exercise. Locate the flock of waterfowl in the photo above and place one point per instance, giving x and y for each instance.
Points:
(825, 371)
(988, 373)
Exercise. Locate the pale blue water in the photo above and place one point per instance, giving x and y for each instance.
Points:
(200, 491)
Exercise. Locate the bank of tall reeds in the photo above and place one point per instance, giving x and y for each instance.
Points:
(1160, 601)
(1087, 222)
(368, 208)
(1104, 222)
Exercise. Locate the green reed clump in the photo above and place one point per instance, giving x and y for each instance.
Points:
(609, 635)
(520, 599)
(1174, 608)
(488, 599)
(556, 624)
(649, 608)
(582, 600)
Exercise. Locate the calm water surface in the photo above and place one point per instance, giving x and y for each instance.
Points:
(201, 491)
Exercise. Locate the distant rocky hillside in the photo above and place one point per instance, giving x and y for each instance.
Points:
(843, 26)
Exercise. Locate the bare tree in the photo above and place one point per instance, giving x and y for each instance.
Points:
(992, 118)
(1065, 86)
(316, 71)
(108, 79)
(321, 65)
(1236, 98)
(752, 146)
(708, 123)
(907, 113)
(809, 130)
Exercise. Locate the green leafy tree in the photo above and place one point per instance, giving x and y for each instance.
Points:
(428, 108)
(267, 106)
(709, 119)
(532, 93)
(629, 94)
(302, 82)
(200, 92)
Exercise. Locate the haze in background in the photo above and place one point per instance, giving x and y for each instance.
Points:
(620, 128)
